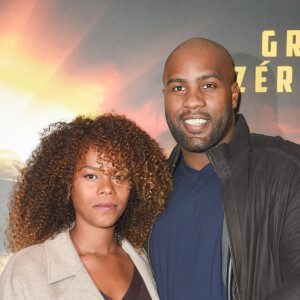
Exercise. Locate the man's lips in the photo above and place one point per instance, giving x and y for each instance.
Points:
(195, 121)
(106, 206)
(194, 124)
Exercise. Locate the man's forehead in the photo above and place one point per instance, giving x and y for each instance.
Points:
(193, 67)
(187, 59)
(198, 45)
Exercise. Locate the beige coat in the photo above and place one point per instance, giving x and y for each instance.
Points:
(53, 270)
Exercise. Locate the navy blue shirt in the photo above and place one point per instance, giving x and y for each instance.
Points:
(186, 242)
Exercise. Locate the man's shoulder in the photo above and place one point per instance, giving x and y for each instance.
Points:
(274, 144)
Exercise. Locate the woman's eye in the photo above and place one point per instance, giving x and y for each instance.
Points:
(119, 177)
(90, 176)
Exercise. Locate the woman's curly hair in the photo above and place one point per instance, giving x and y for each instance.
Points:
(41, 206)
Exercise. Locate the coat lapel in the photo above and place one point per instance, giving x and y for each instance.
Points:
(81, 287)
(141, 262)
(66, 271)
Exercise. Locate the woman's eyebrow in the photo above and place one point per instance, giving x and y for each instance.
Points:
(89, 167)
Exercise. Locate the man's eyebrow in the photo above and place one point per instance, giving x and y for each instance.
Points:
(207, 76)
(171, 80)
(203, 77)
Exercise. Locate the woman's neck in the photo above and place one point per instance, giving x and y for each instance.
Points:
(92, 239)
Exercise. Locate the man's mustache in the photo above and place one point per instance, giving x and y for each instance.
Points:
(195, 112)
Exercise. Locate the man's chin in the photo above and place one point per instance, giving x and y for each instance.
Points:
(197, 147)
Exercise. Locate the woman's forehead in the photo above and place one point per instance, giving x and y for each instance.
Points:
(102, 159)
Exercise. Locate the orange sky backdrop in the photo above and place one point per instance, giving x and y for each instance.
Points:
(61, 59)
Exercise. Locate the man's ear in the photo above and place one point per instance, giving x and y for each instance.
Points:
(235, 92)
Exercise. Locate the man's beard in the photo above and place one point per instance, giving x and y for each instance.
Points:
(197, 144)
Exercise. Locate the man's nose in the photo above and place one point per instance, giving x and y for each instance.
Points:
(194, 98)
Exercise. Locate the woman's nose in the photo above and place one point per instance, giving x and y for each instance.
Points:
(106, 185)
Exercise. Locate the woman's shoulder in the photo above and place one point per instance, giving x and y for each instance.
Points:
(29, 260)
(32, 270)
(24, 268)
(26, 260)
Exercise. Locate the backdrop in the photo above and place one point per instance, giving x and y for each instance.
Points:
(61, 58)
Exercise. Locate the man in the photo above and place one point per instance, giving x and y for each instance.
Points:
(232, 226)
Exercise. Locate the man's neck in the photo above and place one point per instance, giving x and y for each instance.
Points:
(194, 160)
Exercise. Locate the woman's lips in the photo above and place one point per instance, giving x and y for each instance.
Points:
(106, 206)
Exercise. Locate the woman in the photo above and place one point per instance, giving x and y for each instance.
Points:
(82, 209)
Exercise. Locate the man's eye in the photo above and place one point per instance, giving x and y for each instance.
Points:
(90, 176)
(208, 86)
(179, 88)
